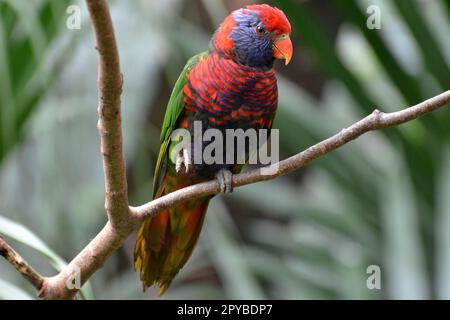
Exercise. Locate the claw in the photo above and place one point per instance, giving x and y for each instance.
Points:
(225, 179)
(187, 159)
(183, 160)
(178, 162)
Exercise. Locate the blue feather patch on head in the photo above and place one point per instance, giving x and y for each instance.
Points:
(250, 48)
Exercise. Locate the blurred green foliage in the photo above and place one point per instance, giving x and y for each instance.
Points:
(27, 29)
(381, 200)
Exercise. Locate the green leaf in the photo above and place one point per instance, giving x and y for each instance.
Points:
(404, 264)
(407, 84)
(431, 52)
(8, 291)
(20, 233)
(27, 30)
(442, 231)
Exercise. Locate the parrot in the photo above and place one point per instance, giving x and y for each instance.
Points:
(231, 85)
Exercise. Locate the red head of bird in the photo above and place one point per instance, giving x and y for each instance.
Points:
(255, 36)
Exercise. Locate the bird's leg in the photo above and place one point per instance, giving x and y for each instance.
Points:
(179, 161)
(184, 160)
(187, 159)
(225, 179)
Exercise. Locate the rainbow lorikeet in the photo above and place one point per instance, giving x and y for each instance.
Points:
(232, 85)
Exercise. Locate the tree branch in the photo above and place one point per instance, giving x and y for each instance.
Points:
(110, 83)
(122, 219)
(20, 264)
(375, 121)
(120, 222)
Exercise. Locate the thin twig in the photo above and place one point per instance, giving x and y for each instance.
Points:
(375, 121)
(20, 264)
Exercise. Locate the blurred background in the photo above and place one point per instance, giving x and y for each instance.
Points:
(382, 200)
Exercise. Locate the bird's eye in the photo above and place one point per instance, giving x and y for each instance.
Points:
(261, 30)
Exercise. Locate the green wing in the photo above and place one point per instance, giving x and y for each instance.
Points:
(175, 108)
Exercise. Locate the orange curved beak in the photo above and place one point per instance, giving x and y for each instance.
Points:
(283, 50)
